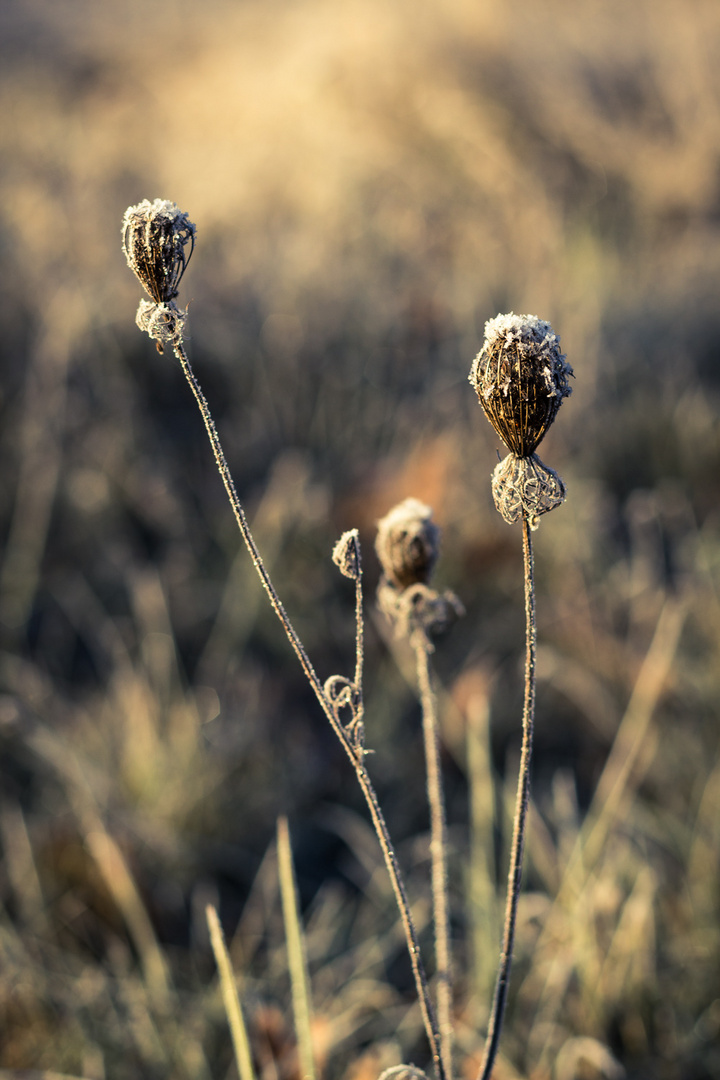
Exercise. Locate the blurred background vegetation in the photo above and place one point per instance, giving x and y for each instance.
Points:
(371, 181)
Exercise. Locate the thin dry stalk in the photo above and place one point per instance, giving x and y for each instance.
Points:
(438, 851)
(355, 756)
(522, 803)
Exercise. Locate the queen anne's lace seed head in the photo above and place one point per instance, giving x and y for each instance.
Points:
(155, 236)
(408, 546)
(346, 554)
(163, 322)
(418, 609)
(521, 378)
(408, 543)
(526, 487)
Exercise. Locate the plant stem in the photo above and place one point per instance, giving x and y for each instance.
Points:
(359, 636)
(438, 851)
(521, 808)
(355, 757)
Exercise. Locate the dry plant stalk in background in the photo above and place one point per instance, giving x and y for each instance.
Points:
(521, 379)
(155, 236)
(408, 545)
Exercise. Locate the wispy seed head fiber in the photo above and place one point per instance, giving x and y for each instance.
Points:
(520, 377)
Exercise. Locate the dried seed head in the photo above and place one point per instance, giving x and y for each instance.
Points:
(403, 1072)
(163, 322)
(346, 554)
(418, 609)
(526, 487)
(521, 378)
(154, 237)
(407, 543)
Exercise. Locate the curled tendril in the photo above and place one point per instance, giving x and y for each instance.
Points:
(526, 487)
(343, 694)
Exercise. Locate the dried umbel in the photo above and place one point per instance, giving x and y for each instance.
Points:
(418, 609)
(407, 543)
(521, 378)
(525, 487)
(346, 554)
(155, 236)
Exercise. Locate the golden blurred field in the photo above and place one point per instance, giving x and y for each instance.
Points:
(370, 181)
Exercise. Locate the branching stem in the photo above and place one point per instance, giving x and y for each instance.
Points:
(355, 755)
(521, 808)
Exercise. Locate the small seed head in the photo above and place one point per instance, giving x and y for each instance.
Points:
(408, 543)
(521, 378)
(154, 238)
(418, 609)
(526, 488)
(346, 554)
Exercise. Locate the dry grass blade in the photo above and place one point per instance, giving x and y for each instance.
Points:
(296, 952)
(112, 866)
(231, 999)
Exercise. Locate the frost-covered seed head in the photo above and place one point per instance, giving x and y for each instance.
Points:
(164, 323)
(418, 609)
(346, 554)
(521, 378)
(154, 238)
(408, 543)
(526, 488)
